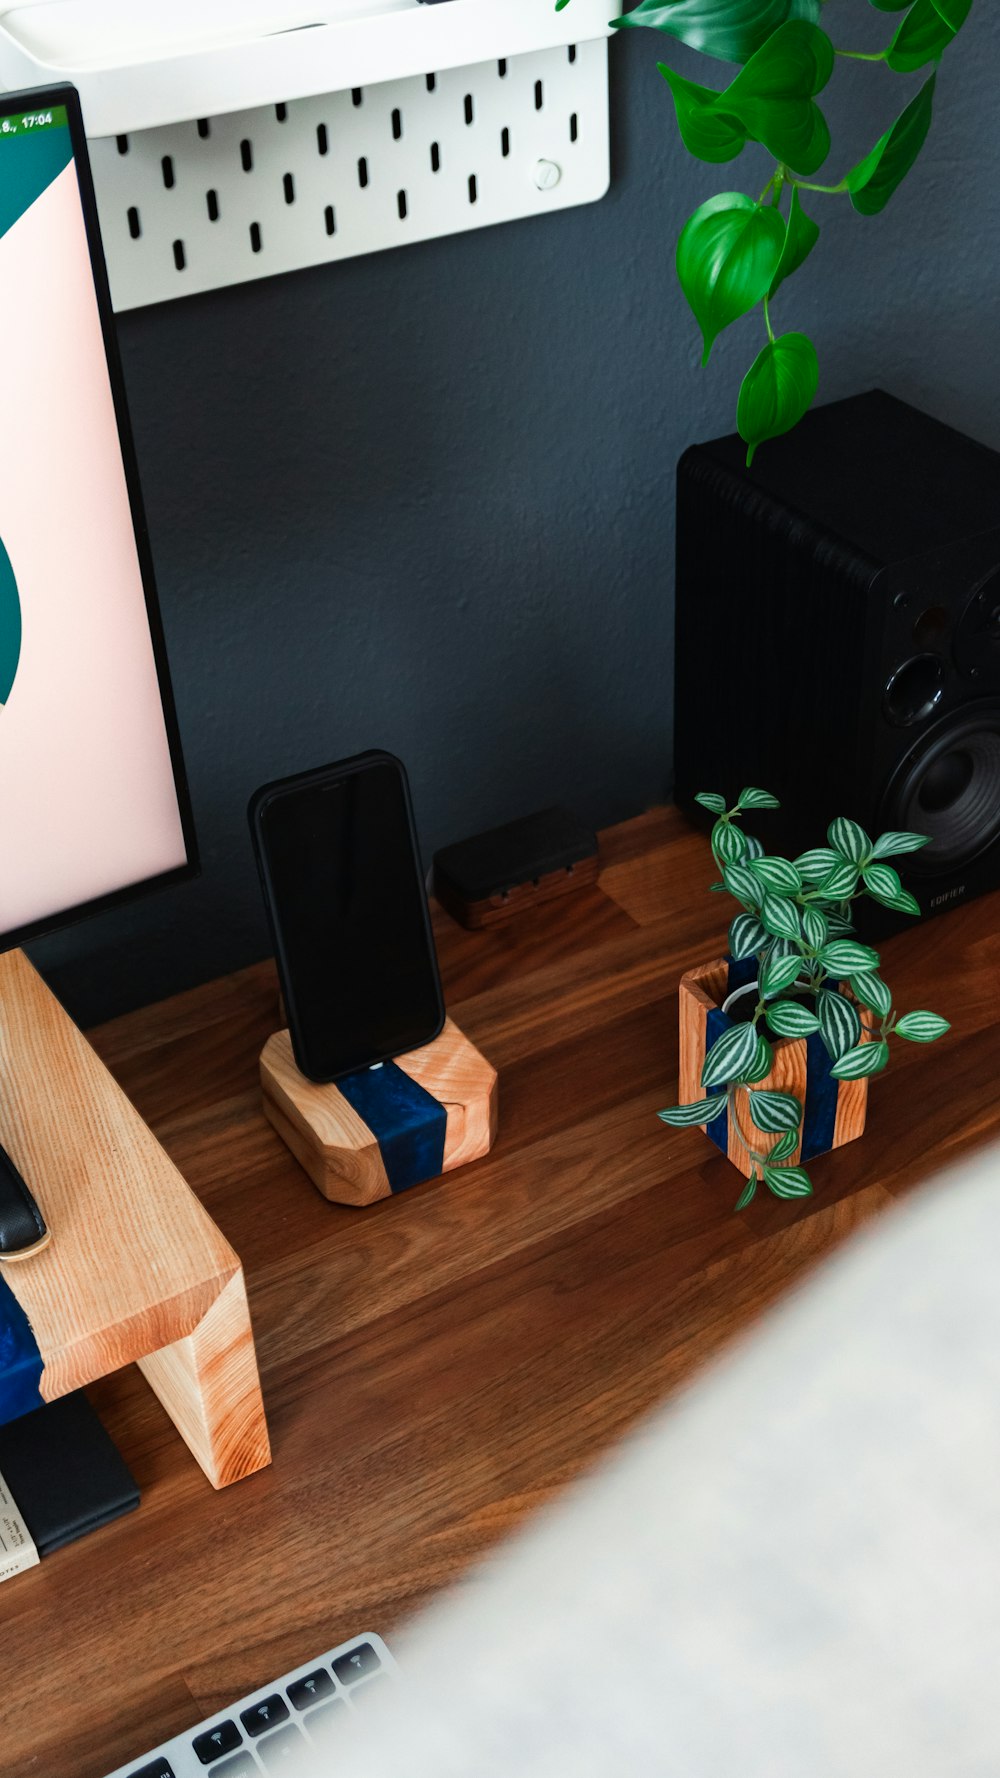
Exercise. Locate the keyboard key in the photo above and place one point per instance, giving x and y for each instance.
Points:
(157, 1768)
(364, 1692)
(217, 1741)
(361, 1660)
(280, 1751)
(243, 1766)
(309, 1690)
(263, 1716)
(323, 1723)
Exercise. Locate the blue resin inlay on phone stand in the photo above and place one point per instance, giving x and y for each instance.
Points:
(408, 1124)
(20, 1360)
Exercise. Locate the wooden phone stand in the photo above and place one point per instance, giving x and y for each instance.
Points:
(136, 1270)
(376, 1132)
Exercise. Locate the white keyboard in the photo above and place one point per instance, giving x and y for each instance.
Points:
(268, 1730)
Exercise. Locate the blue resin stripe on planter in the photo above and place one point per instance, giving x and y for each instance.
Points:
(406, 1121)
(20, 1360)
(716, 1025)
(819, 1121)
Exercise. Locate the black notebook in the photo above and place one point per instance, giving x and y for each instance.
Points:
(65, 1475)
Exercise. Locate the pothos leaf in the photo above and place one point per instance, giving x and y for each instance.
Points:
(732, 30)
(801, 235)
(778, 389)
(706, 131)
(773, 95)
(925, 33)
(727, 255)
(872, 182)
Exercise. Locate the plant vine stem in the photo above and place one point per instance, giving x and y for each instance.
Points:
(833, 191)
(767, 319)
(759, 1160)
(860, 55)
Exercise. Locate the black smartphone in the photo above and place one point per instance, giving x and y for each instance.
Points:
(337, 854)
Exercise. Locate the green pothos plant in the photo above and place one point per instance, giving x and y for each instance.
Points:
(737, 250)
(796, 925)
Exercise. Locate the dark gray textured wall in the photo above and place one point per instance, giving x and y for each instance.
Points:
(424, 500)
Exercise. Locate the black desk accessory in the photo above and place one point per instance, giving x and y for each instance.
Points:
(64, 1473)
(496, 874)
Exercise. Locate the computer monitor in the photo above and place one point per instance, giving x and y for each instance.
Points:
(93, 801)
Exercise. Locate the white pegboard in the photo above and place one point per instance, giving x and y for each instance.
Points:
(194, 206)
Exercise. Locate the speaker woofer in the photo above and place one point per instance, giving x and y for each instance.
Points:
(949, 788)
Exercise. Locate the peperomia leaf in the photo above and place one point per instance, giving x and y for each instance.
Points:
(752, 798)
(788, 1182)
(922, 1027)
(882, 882)
(778, 973)
(727, 255)
(761, 1065)
(839, 1023)
(710, 800)
(801, 235)
(925, 33)
(706, 131)
(890, 845)
(868, 1058)
(772, 1112)
(872, 182)
(777, 874)
(730, 1053)
(789, 1019)
(841, 882)
(785, 1146)
(701, 1112)
(780, 916)
(872, 991)
(778, 389)
(741, 882)
(844, 956)
(728, 842)
(746, 935)
(815, 865)
(815, 928)
(747, 1194)
(773, 95)
(849, 839)
(732, 30)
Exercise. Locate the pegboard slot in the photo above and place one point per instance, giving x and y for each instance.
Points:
(306, 181)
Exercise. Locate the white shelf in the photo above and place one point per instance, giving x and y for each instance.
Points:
(142, 64)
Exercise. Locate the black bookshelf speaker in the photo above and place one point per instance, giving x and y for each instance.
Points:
(838, 635)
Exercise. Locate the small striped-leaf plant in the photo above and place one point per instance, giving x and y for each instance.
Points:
(795, 923)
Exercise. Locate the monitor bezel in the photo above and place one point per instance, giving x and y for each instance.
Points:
(44, 98)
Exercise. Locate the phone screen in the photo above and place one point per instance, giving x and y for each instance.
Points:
(355, 950)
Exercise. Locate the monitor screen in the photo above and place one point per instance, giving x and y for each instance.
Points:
(92, 799)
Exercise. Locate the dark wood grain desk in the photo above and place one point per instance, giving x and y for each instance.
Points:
(435, 1366)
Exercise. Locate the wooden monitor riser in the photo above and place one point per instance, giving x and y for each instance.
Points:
(136, 1270)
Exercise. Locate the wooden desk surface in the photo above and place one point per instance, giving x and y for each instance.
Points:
(436, 1365)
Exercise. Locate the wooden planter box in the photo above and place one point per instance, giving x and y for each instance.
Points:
(835, 1110)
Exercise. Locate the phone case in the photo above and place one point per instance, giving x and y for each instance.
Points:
(258, 802)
